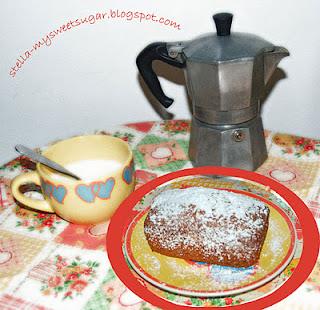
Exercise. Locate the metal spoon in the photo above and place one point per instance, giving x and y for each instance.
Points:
(43, 160)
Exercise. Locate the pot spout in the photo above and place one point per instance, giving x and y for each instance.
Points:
(271, 60)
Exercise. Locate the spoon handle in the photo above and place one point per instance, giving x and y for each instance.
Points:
(43, 160)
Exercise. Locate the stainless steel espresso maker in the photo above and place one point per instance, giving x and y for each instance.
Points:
(226, 74)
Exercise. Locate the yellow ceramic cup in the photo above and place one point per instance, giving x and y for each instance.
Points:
(81, 202)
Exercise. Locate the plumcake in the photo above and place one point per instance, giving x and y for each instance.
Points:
(207, 225)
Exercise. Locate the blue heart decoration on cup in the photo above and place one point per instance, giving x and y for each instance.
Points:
(127, 174)
(95, 187)
(59, 193)
(47, 188)
(106, 188)
(89, 192)
(85, 192)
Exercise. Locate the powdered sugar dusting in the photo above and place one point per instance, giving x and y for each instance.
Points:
(277, 241)
(212, 222)
(213, 202)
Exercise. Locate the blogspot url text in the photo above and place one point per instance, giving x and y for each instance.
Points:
(48, 39)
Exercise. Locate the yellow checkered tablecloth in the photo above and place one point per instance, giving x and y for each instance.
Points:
(48, 263)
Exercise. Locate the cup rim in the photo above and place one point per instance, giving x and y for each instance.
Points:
(40, 167)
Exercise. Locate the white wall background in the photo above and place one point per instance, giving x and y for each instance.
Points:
(87, 78)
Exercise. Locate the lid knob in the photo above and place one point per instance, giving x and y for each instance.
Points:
(223, 23)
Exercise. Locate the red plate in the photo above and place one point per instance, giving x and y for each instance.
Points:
(125, 214)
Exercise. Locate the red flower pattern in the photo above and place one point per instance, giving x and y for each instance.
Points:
(54, 281)
(300, 141)
(68, 294)
(228, 301)
(71, 277)
(79, 285)
(37, 221)
(302, 146)
(309, 147)
(87, 271)
(176, 126)
(48, 222)
(41, 215)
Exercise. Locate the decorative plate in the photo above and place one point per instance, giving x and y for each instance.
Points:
(197, 279)
(230, 178)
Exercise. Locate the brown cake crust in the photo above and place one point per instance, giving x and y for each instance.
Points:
(207, 225)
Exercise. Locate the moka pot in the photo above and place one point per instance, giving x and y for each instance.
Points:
(226, 74)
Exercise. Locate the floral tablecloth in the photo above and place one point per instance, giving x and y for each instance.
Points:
(48, 263)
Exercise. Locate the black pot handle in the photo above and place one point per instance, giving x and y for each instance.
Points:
(155, 51)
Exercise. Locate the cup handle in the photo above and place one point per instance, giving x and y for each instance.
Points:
(29, 177)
